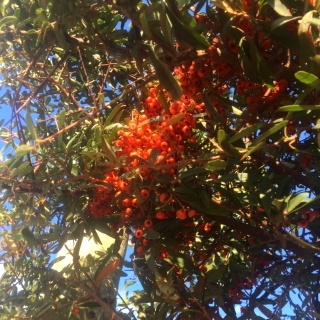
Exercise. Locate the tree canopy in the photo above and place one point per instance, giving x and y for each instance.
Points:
(186, 129)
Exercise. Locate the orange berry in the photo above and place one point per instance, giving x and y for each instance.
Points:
(140, 249)
(147, 223)
(138, 234)
(191, 213)
(161, 215)
(207, 227)
(303, 223)
(164, 197)
(181, 214)
(135, 203)
(145, 242)
(127, 202)
(144, 193)
(75, 311)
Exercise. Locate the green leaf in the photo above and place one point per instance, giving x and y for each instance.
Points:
(8, 20)
(61, 119)
(113, 113)
(175, 119)
(306, 77)
(29, 238)
(128, 284)
(150, 233)
(193, 199)
(30, 126)
(166, 79)
(314, 21)
(107, 149)
(216, 165)
(151, 258)
(165, 287)
(266, 193)
(214, 275)
(247, 131)
(295, 108)
(307, 43)
(42, 309)
(230, 149)
(194, 39)
(179, 260)
(60, 37)
(165, 24)
(22, 150)
(279, 7)
(308, 246)
(221, 135)
(269, 132)
(144, 24)
(282, 21)
(102, 264)
(248, 66)
(253, 149)
(192, 172)
(296, 201)
(260, 65)
(112, 24)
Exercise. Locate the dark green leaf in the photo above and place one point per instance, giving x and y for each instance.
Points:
(191, 37)
(166, 79)
(269, 132)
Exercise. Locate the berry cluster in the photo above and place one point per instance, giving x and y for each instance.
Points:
(152, 142)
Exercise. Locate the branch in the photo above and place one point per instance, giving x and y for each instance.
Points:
(97, 112)
(103, 304)
(286, 171)
(41, 86)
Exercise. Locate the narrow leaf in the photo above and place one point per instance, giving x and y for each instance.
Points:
(108, 269)
(175, 119)
(294, 108)
(269, 132)
(246, 132)
(8, 20)
(297, 200)
(61, 119)
(279, 7)
(23, 150)
(30, 126)
(282, 21)
(29, 238)
(108, 151)
(167, 80)
(191, 37)
(307, 43)
(113, 113)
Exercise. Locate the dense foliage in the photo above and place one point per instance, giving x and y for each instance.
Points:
(189, 128)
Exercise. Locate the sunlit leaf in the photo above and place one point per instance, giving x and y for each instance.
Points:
(279, 7)
(306, 77)
(22, 150)
(216, 165)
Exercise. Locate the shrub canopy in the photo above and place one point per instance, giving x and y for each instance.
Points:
(189, 128)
